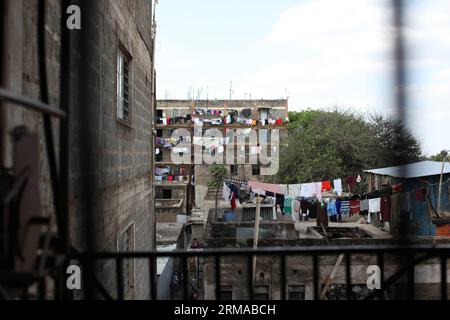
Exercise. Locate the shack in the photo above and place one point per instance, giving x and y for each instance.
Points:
(420, 182)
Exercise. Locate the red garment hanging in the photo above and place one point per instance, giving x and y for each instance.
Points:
(233, 201)
(326, 185)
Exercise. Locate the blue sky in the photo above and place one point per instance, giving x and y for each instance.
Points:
(319, 53)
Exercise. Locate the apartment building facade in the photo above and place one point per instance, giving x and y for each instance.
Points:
(212, 126)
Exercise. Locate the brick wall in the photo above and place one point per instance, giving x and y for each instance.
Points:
(110, 163)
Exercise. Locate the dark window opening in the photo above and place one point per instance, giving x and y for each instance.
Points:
(296, 292)
(167, 194)
(226, 293)
(261, 293)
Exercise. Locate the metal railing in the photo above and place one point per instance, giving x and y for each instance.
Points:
(414, 255)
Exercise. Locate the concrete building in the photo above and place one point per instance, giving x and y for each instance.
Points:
(224, 115)
(110, 122)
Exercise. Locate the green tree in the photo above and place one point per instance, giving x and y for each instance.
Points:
(397, 143)
(218, 173)
(439, 156)
(328, 144)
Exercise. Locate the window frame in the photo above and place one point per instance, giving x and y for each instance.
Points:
(125, 56)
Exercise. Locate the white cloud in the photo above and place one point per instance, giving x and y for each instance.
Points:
(339, 52)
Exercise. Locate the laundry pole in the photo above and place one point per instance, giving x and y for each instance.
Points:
(256, 233)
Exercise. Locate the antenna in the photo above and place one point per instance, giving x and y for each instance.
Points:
(287, 93)
(231, 89)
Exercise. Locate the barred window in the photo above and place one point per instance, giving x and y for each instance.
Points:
(126, 244)
(123, 85)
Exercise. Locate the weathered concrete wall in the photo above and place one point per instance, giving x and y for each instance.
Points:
(234, 274)
(119, 156)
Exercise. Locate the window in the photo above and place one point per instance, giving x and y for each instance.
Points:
(159, 156)
(256, 170)
(123, 85)
(226, 293)
(234, 169)
(167, 194)
(296, 292)
(261, 293)
(126, 244)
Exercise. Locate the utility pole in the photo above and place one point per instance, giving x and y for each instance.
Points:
(256, 233)
(444, 159)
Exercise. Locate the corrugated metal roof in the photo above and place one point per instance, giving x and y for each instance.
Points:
(413, 170)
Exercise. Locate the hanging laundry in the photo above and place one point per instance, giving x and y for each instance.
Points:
(233, 201)
(180, 150)
(294, 189)
(288, 205)
(274, 188)
(331, 208)
(364, 205)
(322, 216)
(280, 202)
(397, 187)
(326, 186)
(317, 190)
(337, 183)
(304, 207)
(385, 208)
(345, 207)
(351, 182)
(354, 206)
(226, 193)
(306, 190)
(374, 205)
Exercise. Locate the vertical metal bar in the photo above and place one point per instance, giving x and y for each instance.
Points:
(3, 116)
(48, 128)
(410, 277)
(283, 276)
(119, 278)
(185, 279)
(86, 275)
(400, 73)
(42, 288)
(64, 98)
(250, 276)
(444, 294)
(217, 276)
(348, 276)
(64, 141)
(151, 271)
(380, 261)
(316, 279)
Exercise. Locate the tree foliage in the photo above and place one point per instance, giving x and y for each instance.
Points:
(217, 174)
(439, 156)
(330, 144)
